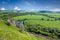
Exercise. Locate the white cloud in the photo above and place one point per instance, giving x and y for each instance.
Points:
(28, 3)
(33, 2)
(17, 8)
(47, 7)
(3, 9)
(3, 2)
(56, 9)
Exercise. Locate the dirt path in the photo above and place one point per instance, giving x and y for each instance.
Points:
(42, 36)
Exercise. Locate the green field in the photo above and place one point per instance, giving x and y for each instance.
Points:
(35, 19)
(47, 25)
(12, 33)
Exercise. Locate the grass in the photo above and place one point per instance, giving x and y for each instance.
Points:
(31, 20)
(54, 15)
(29, 17)
(12, 33)
(48, 24)
(34, 23)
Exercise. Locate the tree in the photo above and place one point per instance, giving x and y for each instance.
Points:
(42, 18)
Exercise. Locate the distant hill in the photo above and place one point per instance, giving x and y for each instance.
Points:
(28, 11)
(48, 12)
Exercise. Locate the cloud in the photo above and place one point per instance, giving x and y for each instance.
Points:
(28, 3)
(17, 8)
(56, 9)
(47, 7)
(33, 2)
(3, 9)
(3, 2)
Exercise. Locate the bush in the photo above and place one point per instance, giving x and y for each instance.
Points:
(7, 23)
(54, 33)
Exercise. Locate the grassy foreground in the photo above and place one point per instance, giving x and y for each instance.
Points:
(9, 32)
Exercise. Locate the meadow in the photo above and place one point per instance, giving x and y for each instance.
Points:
(45, 24)
(39, 19)
(11, 32)
(37, 26)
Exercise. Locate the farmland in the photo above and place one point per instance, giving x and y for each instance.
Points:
(45, 26)
(12, 33)
(32, 19)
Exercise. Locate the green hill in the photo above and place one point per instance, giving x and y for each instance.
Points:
(9, 32)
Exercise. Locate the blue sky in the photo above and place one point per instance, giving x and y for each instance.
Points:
(53, 5)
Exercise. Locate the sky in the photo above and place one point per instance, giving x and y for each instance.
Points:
(53, 5)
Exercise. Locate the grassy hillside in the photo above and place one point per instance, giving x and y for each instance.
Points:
(47, 25)
(9, 32)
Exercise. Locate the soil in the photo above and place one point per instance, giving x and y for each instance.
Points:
(42, 36)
